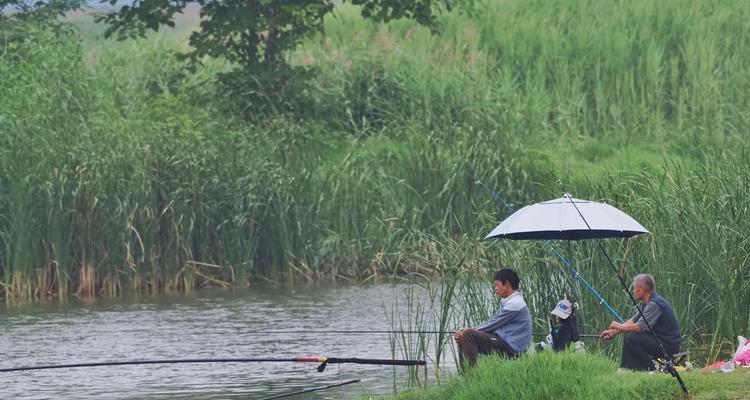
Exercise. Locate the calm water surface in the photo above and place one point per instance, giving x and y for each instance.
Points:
(215, 324)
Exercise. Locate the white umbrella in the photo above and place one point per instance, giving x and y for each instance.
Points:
(567, 218)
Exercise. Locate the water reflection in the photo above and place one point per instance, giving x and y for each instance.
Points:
(216, 324)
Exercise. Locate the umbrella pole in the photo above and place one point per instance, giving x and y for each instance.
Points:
(670, 364)
(560, 256)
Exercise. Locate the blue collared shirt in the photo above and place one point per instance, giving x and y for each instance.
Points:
(511, 323)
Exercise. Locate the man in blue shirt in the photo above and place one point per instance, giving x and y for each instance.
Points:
(507, 333)
(640, 344)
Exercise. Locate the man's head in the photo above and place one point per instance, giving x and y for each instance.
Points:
(506, 282)
(643, 286)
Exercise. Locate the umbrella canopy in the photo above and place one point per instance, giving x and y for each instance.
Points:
(560, 219)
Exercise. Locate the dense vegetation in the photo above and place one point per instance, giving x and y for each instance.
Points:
(122, 171)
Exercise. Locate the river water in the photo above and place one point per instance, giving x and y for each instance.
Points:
(208, 324)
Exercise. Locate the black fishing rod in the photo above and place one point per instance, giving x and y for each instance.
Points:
(281, 396)
(669, 365)
(554, 250)
(324, 361)
(367, 332)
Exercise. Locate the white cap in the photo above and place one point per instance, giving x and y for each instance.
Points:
(563, 309)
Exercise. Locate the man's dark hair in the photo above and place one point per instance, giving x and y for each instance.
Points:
(508, 276)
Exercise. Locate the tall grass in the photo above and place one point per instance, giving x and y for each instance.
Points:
(140, 187)
(124, 173)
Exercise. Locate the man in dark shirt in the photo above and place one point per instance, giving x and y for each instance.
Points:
(639, 344)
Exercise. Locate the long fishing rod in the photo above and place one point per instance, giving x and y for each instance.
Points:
(281, 396)
(670, 363)
(367, 332)
(564, 260)
(322, 360)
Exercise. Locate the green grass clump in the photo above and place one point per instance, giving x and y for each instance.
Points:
(576, 376)
(547, 376)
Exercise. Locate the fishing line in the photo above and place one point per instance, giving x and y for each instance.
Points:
(341, 377)
(364, 332)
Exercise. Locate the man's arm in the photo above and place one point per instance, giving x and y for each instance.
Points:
(505, 315)
(651, 313)
(627, 326)
(615, 328)
(495, 322)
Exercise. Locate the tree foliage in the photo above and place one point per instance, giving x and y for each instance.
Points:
(42, 11)
(255, 33)
(21, 21)
(257, 36)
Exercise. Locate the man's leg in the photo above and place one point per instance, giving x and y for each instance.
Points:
(473, 343)
(637, 349)
(499, 346)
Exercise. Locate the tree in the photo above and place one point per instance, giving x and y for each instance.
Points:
(41, 11)
(20, 20)
(38, 11)
(256, 35)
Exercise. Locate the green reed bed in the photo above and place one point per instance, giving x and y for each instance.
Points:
(125, 173)
(144, 190)
(92, 192)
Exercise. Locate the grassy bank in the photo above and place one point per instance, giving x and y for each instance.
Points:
(578, 376)
(123, 173)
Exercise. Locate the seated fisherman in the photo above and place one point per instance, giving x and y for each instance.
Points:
(508, 332)
(639, 344)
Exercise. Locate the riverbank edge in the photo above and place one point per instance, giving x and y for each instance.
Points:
(570, 375)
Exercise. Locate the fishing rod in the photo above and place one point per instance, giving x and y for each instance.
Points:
(324, 361)
(670, 363)
(564, 260)
(281, 396)
(367, 332)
